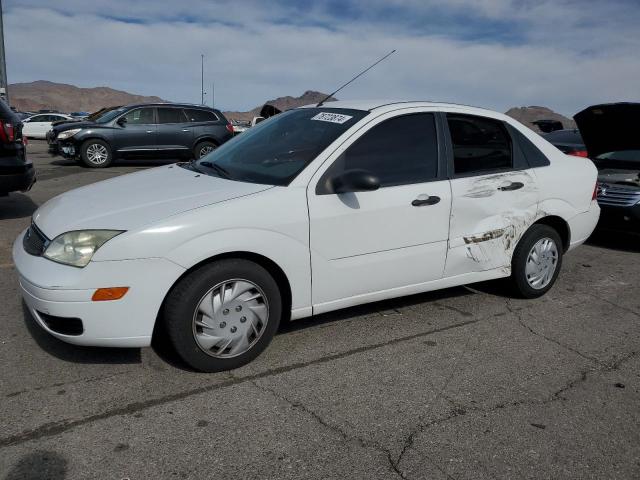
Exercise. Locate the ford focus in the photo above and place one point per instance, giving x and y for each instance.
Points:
(313, 210)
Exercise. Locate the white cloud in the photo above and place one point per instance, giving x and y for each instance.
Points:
(253, 58)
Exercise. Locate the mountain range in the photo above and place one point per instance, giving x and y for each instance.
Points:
(42, 94)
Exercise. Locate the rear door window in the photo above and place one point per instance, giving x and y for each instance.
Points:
(171, 115)
(196, 115)
(479, 144)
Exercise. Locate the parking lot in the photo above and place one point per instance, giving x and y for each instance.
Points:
(462, 383)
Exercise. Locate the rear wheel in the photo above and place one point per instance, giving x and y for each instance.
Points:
(96, 154)
(223, 315)
(536, 261)
(203, 148)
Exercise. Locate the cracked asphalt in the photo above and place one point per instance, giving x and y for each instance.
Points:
(464, 383)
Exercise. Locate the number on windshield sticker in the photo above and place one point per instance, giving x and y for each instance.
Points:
(332, 117)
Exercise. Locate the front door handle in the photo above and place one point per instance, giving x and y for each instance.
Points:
(149, 131)
(421, 202)
(511, 186)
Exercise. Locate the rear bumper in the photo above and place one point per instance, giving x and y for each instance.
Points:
(17, 179)
(582, 225)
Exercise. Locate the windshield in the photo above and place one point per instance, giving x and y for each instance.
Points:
(619, 159)
(278, 149)
(110, 115)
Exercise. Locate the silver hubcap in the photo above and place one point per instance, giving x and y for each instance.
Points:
(97, 153)
(206, 149)
(230, 318)
(541, 263)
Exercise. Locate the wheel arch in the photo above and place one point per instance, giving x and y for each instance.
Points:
(268, 264)
(560, 225)
(206, 138)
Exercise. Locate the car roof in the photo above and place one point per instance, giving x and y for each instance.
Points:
(390, 105)
(168, 104)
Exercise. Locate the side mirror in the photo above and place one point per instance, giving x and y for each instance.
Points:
(355, 181)
(122, 121)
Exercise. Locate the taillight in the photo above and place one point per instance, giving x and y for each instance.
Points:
(595, 192)
(579, 153)
(230, 128)
(7, 132)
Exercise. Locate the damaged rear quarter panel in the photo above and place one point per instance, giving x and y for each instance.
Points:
(486, 223)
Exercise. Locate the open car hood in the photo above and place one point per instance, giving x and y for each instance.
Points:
(609, 127)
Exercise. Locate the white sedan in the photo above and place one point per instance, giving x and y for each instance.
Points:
(318, 209)
(38, 125)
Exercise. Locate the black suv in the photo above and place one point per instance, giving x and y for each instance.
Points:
(136, 131)
(16, 172)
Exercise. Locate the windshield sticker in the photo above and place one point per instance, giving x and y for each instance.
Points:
(332, 117)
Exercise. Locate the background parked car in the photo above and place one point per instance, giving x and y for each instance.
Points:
(16, 172)
(240, 126)
(38, 125)
(143, 131)
(611, 136)
(548, 126)
(568, 141)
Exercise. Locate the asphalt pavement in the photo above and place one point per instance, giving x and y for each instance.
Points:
(464, 383)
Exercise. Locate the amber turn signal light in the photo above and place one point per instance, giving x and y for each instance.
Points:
(112, 293)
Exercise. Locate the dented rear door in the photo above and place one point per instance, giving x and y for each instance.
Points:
(494, 195)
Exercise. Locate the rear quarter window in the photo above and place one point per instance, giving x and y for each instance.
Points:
(533, 156)
(197, 115)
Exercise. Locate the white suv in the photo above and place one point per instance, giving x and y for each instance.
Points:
(313, 210)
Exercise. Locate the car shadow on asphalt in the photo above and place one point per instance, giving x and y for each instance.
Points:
(75, 353)
(38, 465)
(369, 309)
(615, 240)
(16, 205)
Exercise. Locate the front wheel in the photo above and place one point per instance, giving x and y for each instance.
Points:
(96, 154)
(223, 315)
(536, 261)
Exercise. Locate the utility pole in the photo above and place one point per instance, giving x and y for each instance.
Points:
(202, 79)
(4, 91)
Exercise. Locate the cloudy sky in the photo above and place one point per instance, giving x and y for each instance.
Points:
(563, 54)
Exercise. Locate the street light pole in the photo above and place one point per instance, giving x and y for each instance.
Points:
(202, 79)
(4, 91)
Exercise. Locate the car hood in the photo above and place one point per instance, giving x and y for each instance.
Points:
(620, 176)
(61, 126)
(608, 128)
(132, 201)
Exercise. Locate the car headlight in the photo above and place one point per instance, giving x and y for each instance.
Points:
(77, 248)
(68, 133)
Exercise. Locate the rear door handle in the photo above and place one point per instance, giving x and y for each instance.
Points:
(149, 131)
(511, 186)
(421, 202)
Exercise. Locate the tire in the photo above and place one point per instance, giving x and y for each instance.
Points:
(248, 318)
(538, 279)
(202, 148)
(96, 153)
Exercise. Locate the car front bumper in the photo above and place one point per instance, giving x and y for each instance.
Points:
(51, 290)
(17, 179)
(626, 218)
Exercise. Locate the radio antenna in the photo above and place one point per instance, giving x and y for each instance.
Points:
(321, 102)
